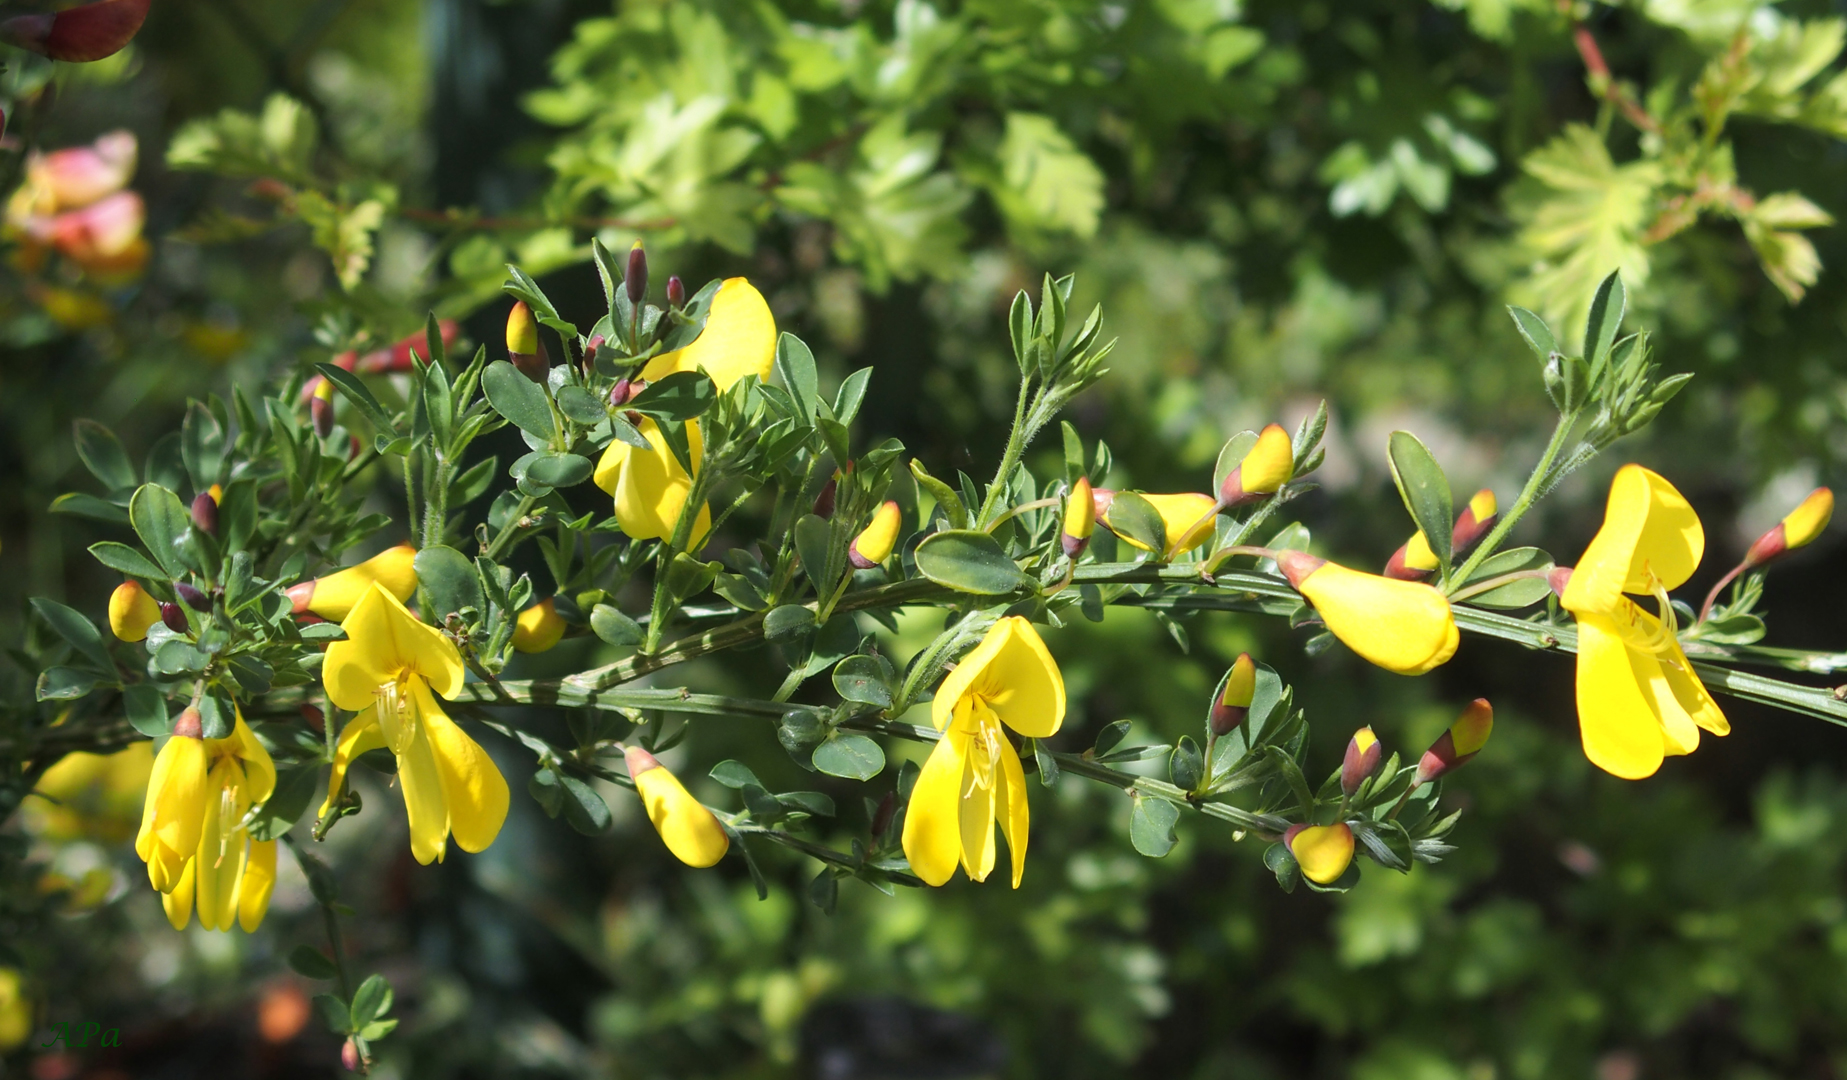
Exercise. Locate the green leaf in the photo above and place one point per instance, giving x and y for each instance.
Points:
(74, 628)
(969, 561)
(294, 789)
(102, 453)
(448, 578)
(1044, 182)
(851, 395)
(518, 399)
(854, 757)
(126, 560)
(787, 621)
(65, 683)
(371, 1001)
(734, 774)
(310, 962)
(609, 623)
(1151, 826)
(201, 445)
(1283, 865)
(1425, 491)
(82, 504)
(165, 465)
(1135, 518)
(558, 470)
(1231, 455)
(334, 1013)
(677, 398)
(1187, 766)
(1048, 765)
(1107, 739)
(146, 709)
(217, 715)
(584, 809)
(1514, 594)
(946, 498)
(795, 367)
(355, 391)
(1535, 332)
(865, 679)
(159, 518)
(581, 405)
(1606, 317)
(813, 539)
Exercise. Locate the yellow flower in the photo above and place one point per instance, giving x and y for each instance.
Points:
(98, 795)
(1234, 701)
(974, 775)
(1797, 529)
(1322, 851)
(1402, 626)
(688, 829)
(1188, 519)
(1264, 470)
(1080, 519)
(1413, 561)
(538, 628)
(650, 486)
(386, 670)
(1638, 699)
(131, 611)
(873, 545)
(15, 1011)
(241, 889)
(1474, 521)
(332, 597)
(1462, 741)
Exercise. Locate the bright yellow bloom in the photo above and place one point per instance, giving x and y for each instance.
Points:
(974, 775)
(241, 889)
(97, 795)
(1265, 469)
(15, 1011)
(1188, 520)
(650, 486)
(1402, 626)
(1322, 851)
(131, 611)
(539, 627)
(873, 545)
(1797, 529)
(332, 597)
(1080, 519)
(1413, 561)
(688, 829)
(1638, 698)
(1234, 702)
(386, 670)
(522, 329)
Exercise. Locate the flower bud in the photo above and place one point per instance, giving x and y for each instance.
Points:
(524, 348)
(320, 409)
(194, 599)
(205, 513)
(625, 390)
(1474, 522)
(190, 724)
(1800, 527)
(1234, 701)
(80, 34)
(332, 597)
(538, 628)
(1264, 470)
(1462, 741)
(824, 502)
(1402, 626)
(131, 611)
(1322, 851)
(1558, 577)
(676, 292)
(1413, 561)
(173, 617)
(1365, 753)
(314, 718)
(349, 1055)
(636, 280)
(689, 830)
(873, 546)
(1080, 519)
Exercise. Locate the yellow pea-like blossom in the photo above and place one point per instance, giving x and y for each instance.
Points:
(1080, 519)
(1322, 851)
(1188, 519)
(1462, 741)
(688, 829)
(974, 777)
(874, 543)
(1638, 698)
(1233, 703)
(390, 669)
(1402, 626)
(332, 597)
(1797, 529)
(1474, 521)
(650, 486)
(1265, 469)
(1413, 561)
(539, 627)
(132, 611)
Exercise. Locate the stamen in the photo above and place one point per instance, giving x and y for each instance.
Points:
(227, 807)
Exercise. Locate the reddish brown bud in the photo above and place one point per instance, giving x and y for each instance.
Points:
(1233, 702)
(536, 366)
(824, 502)
(190, 725)
(314, 718)
(624, 391)
(1364, 755)
(1297, 565)
(205, 513)
(1474, 522)
(173, 617)
(349, 1056)
(636, 281)
(78, 35)
(195, 599)
(320, 414)
(676, 291)
(1558, 577)
(1462, 741)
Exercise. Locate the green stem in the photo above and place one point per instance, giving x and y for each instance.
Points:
(501, 539)
(1010, 458)
(410, 502)
(1493, 583)
(1535, 484)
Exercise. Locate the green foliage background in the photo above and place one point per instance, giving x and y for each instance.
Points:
(1276, 202)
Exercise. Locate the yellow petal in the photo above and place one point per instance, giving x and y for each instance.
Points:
(361, 734)
(1417, 553)
(131, 611)
(257, 882)
(178, 903)
(651, 487)
(1322, 851)
(220, 851)
(1010, 799)
(259, 770)
(739, 339)
(473, 789)
(334, 596)
(421, 781)
(1270, 463)
(1616, 717)
(1649, 535)
(975, 820)
(932, 821)
(174, 812)
(875, 542)
(1800, 526)
(383, 639)
(688, 829)
(1692, 696)
(1015, 673)
(1402, 626)
(538, 628)
(608, 474)
(1189, 520)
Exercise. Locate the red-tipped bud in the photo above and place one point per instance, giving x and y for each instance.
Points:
(1462, 741)
(1080, 519)
(873, 545)
(314, 718)
(1233, 703)
(173, 617)
(676, 292)
(78, 35)
(881, 818)
(1264, 470)
(524, 348)
(1558, 577)
(625, 390)
(1297, 566)
(194, 599)
(190, 725)
(824, 502)
(1413, 561)
(636, 281)
(349, 1055)
(320, 409)
(1799, 528)
(1364, 755)
(1322, 851)
(1474, 522)
(205, 513)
